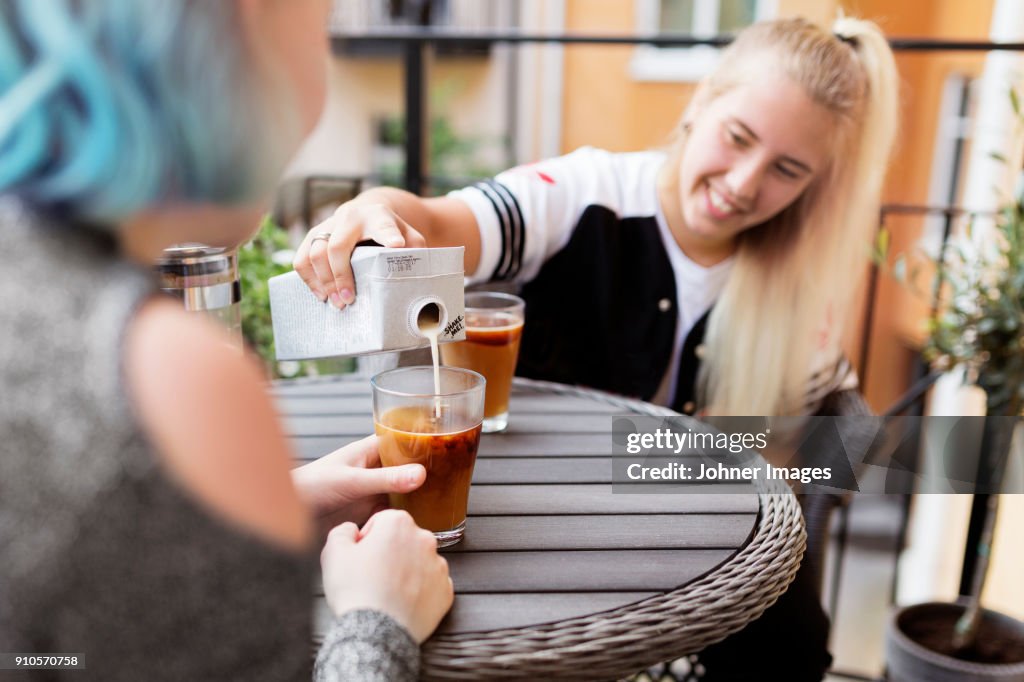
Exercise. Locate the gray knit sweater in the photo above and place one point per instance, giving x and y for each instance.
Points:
(100, 553)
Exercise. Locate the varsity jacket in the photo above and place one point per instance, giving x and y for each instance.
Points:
(584, 237)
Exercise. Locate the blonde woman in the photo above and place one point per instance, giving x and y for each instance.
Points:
(715, 275)
(747, 234)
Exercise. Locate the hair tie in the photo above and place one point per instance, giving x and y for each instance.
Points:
(849, 40)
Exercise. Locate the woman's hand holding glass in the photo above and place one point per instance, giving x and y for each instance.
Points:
(392, 566)
(389, 565)
(349, 484)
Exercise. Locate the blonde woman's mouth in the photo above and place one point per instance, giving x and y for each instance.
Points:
(718, 206)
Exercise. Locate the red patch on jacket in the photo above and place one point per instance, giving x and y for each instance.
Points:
(531, 167)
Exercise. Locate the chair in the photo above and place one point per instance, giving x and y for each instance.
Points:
(819, 508)
(300, 201)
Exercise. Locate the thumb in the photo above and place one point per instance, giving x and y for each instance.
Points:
(396, 479)
(345, 534)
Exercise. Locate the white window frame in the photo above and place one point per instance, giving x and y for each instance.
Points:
(682, 64)
(952, 129)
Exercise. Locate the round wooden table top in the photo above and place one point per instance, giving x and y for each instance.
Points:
(549, 547)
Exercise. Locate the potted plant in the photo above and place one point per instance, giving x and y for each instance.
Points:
(979, 328)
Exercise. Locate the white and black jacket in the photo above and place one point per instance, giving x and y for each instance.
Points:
(581, 234)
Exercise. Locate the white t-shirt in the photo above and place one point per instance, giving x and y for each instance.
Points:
(697, 289)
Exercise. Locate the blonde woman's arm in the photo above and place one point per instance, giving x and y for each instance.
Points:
(391, 217)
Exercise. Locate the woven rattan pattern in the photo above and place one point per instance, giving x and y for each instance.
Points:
(621, 641)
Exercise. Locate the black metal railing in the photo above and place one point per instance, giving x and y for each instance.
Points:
(416, 40)
(949, 215)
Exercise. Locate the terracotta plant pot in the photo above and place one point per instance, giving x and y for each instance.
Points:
(919, 646)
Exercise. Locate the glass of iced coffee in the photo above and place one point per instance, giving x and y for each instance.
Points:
(494, 326)
(440, 429)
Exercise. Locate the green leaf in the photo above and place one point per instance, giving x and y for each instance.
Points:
(882, 242)
(1015, 101)
(255, 267)
(998, 157)
(987, 326)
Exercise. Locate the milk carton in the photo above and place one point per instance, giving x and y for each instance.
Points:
(398, 293)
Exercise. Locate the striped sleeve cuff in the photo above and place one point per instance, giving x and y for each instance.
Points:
(502, 228)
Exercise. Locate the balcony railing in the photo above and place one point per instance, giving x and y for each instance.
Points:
(360, 16)
(352, 27)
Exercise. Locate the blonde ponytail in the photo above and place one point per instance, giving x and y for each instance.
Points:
(795, 276)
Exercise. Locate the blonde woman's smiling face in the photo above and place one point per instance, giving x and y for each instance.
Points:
(750, 153)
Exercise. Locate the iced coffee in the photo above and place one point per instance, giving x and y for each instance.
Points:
(494, 326)
(415, 434)
(439, 429)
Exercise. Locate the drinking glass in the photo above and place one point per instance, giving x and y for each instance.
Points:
(440, 429)
(494, 326)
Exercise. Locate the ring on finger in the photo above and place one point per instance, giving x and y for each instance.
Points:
(326, 236)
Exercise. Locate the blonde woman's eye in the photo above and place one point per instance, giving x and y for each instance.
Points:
(736, 139)
(787, 172)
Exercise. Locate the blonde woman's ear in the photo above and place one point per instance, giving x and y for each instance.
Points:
(697, 102)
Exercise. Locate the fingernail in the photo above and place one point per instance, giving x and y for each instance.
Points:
(347, 296)
(336, 301)
(412, 476)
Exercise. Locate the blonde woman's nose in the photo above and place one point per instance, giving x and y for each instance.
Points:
(744, 180)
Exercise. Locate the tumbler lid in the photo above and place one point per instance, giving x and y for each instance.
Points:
(195, 259)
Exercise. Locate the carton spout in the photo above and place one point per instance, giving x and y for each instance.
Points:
(428, 318)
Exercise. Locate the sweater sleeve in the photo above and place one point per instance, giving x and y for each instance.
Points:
(367, 646)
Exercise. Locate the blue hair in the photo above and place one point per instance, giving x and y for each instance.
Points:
(110, 106)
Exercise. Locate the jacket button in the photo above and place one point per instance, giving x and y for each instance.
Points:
(699, 351)
(688, 407)
(664, 305)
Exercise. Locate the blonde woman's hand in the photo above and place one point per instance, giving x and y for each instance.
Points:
(323, 258)
(390, 566)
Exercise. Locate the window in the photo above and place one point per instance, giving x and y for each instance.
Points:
(417, 13)
(701, 18)
(357, 16)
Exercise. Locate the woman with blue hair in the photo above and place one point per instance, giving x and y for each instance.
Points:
(148, 521)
